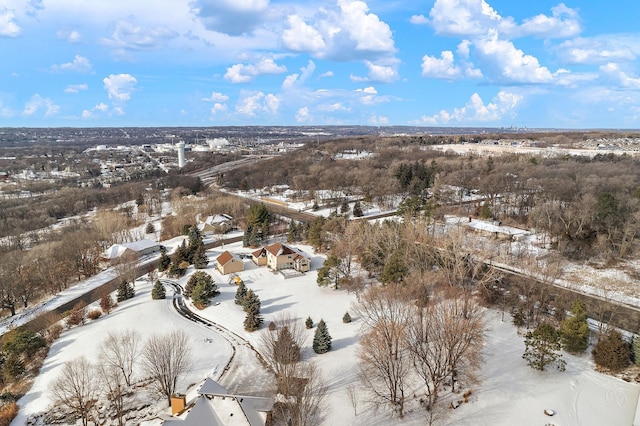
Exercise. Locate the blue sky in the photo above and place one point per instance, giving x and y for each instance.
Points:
(492, 63)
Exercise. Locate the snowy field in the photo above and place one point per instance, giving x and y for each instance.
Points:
(509, 393)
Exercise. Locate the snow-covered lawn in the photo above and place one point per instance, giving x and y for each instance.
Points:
(510, 392)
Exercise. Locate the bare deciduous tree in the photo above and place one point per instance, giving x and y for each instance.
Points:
(126, 266)
(116, 389)
(305, 404)
(385, 362)
(77, 388)
(165, 358)
(121, 351)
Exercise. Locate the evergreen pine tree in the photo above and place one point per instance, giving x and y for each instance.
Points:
(285, 349)
(346, 318)
(357, 209)
(125, 291)
(176, 269)
(344, 208)
(241, 292)
(181, 254)
(394, 270)
(195, 241)
(322, 339)
(201, 279)
(247, 235)
(308, 323)
(254, 237)
(612, 351)
(542, 347)
(485, 210)
(250, 300)
(165, 260)
(291, 232)
(13, 367)
(200, 259)
(329, 272)
(575, 329)
(253, 320)
(158, 292)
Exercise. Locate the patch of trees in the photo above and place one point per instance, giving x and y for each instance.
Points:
(201, 289)
(301, 390)
(84, 389)
(587, 206)
(432, 341)
(257, 225)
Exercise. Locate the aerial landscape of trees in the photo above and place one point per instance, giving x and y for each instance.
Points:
(421, 289)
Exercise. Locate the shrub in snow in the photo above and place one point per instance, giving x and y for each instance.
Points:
(612, 351)
(94, 314)
(308, 323)
(346, 318)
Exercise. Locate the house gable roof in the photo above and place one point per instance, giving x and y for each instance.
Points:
(261, 252)
(225, 258)
(279, 249)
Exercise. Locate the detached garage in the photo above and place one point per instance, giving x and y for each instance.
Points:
(228, 263)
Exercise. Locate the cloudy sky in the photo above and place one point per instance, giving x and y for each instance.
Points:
(278, 62)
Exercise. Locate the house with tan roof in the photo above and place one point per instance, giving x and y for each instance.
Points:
(279, 256)
(228, 263)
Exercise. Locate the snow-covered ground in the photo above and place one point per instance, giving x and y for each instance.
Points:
(509, 392)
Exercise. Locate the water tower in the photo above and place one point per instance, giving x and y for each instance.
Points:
(181, 160)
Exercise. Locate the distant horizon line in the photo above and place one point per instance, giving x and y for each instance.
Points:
(499, 128)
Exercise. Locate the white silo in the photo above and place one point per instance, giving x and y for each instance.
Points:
(181, 160)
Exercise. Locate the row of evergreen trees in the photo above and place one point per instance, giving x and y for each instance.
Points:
(611, 351)
(192, 253)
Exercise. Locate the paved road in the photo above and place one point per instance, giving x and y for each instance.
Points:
(246, 373)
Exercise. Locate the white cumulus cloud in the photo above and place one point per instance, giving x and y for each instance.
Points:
(38, 103)
(599, 49)
(241, 73)
(72, 36)
(348, 32)
(296, 80)
(216, 97)
(476, 111)
(75, 88)
(120, 86)
(252, 103)
(506, 63)
(419, 20)
(302, 115)
(79, 64)
(563, 23)
(128, 35)
(8, 26)
(619, 76)
(302, 37)
(365, 28)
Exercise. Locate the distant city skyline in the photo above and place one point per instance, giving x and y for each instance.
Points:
(458, 63)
